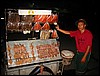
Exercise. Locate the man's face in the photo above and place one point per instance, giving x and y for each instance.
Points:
(81, 26)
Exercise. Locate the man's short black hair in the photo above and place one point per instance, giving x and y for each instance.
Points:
(80, 20)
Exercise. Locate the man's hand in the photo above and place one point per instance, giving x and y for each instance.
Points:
(83, 60)
(57, 27)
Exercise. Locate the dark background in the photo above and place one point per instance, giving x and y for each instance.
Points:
(69, 12)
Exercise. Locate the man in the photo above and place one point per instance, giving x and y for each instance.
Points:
(83, 38)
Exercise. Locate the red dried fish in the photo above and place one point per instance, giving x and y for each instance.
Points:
(46, 26)
(37, 26)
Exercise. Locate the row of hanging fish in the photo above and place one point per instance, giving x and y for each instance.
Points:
(29, 26)
(30, 23)
(14, 17)
(45, 18)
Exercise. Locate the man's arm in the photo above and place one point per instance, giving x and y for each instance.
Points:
(85, 55)
(63, 31)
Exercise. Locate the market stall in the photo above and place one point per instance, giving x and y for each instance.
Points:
(31, 40)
